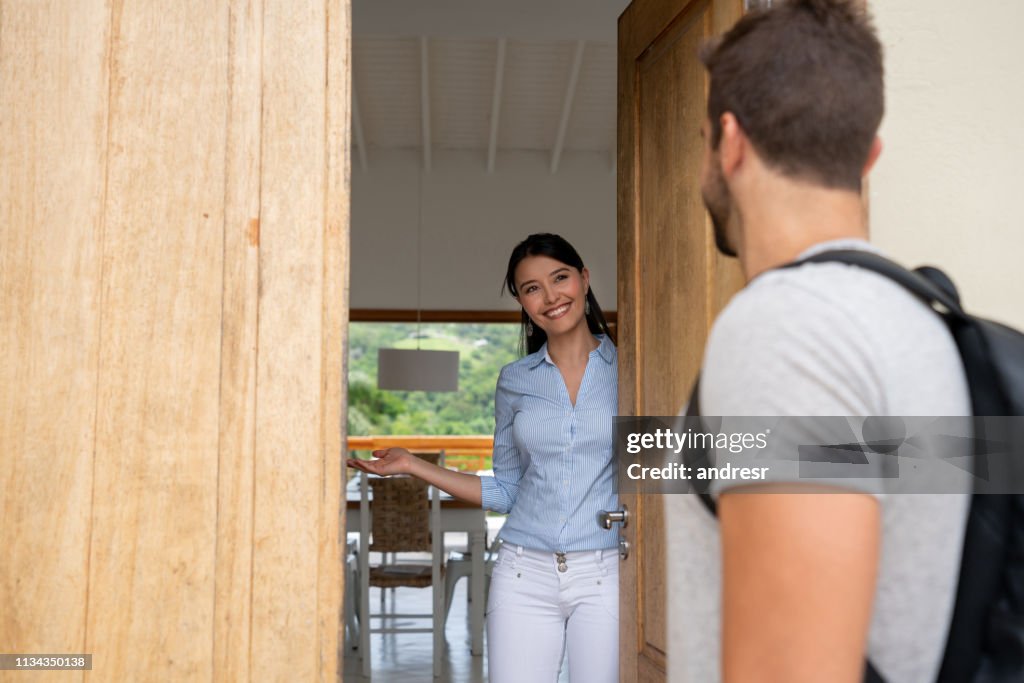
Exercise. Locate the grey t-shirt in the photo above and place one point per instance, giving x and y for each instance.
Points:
(829, 339)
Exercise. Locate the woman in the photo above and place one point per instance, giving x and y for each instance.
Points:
(555, 583)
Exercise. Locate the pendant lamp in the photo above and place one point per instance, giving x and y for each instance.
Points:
(418, 369)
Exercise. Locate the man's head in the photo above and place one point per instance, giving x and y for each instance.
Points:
(803, 83)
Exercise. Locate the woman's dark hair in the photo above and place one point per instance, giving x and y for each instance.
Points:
(552, 246)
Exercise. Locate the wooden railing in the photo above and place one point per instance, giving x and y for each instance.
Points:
(467, 453)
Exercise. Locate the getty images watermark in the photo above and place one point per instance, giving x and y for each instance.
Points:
(872, 454)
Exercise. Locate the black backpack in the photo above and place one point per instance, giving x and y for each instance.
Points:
(986, 635)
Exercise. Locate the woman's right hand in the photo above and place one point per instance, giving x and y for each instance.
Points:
(386, 461)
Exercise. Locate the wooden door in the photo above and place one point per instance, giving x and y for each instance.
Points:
(173, 299)
(672, 281)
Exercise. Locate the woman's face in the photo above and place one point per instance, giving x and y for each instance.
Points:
(552, 293)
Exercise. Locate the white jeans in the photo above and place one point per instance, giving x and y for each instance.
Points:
(535, 611)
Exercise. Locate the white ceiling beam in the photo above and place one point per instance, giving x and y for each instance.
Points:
(499, 81)
(357, 129)
(425, 100)
(570, 94)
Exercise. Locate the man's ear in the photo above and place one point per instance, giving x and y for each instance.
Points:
(733, 146)
(873, 154)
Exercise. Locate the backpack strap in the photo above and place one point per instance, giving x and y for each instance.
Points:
(919, 285)
(985, 631)
(693, 411)
(927, 288)
(871, 674)
(931, 285)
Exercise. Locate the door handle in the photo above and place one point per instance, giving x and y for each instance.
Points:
(608, 517)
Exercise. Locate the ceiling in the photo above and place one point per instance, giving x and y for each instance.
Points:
(484, 75)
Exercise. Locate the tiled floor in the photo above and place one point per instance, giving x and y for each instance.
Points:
(407, 657)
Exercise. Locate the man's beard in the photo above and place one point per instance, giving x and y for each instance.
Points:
(719, 205)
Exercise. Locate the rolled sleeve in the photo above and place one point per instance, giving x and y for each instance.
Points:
(499, 493)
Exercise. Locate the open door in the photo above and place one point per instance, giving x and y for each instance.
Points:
(174, 212)
(672, 281)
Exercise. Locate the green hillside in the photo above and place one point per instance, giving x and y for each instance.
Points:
(483, 350)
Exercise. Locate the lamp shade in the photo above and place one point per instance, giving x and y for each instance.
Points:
(417, 370)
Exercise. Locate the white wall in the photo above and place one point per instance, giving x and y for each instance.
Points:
(471, 222)
(947, 189)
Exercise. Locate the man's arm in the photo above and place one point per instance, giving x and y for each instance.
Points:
(799, 569)
(798, 584)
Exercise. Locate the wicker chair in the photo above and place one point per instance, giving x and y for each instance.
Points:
(401, 530)
(403, 513)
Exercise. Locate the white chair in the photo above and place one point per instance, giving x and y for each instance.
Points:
(404, 515)
(459, 565)
(351, 599)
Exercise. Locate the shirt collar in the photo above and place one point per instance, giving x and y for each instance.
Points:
(842, 243)
(605, 349)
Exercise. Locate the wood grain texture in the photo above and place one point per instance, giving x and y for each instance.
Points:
(674, 242)
(334, 348)
(53, 119)
(672, 282)
(239, 345)
(154, 524)
(289, 472)
(630, 616)
(174, 210)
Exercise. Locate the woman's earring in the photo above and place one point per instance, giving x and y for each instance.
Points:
(529, 328)
(586, 307)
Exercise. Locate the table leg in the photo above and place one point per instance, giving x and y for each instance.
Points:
(477, 542)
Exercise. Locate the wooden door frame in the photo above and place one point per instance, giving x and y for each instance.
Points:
(635, 37)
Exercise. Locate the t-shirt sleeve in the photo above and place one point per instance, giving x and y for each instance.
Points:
(781, 350)
(499, 493)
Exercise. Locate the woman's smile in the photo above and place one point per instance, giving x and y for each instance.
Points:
(558, 311)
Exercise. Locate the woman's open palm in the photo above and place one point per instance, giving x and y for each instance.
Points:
(386, 461)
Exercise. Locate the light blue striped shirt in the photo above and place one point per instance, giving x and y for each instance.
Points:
(553, 466)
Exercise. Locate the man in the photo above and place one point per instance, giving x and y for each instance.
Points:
(803, 587)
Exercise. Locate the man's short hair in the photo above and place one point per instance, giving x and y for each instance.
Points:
(804, 80)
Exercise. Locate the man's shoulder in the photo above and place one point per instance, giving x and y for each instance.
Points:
(826, 338)
(788, 303)
(806, 296)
